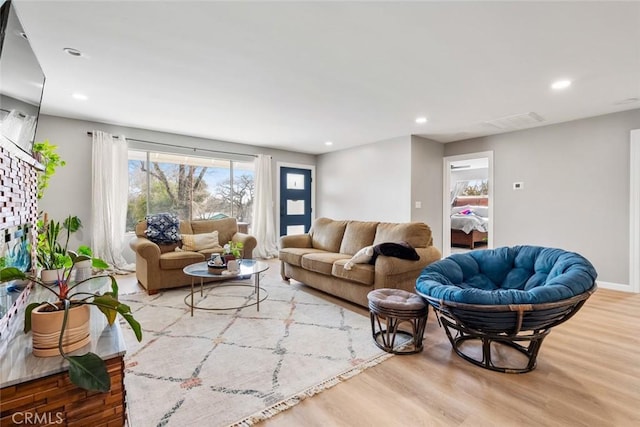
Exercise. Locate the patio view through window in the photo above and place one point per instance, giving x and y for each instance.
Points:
(191, 187)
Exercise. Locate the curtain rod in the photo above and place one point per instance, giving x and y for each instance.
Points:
(182, 146)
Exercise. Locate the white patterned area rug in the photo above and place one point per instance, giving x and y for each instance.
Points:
(238, 366)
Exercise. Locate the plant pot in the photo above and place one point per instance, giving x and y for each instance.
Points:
(228, 258)
(51, 277)
(47, 325)
(83, 270)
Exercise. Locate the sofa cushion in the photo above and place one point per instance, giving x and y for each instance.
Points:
(321, 262)
(174, 260)
(417, 234)
(226, 228)
(326, 234)
(293, 256)
(163, 228)
(363, 274)
(199, 242)
(363, 256)
(357, 235)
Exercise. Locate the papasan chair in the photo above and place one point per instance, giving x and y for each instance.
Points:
(509, 296)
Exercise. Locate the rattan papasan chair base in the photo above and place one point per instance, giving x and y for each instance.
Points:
(505, 297)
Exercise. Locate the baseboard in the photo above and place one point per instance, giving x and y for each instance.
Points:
(614, 286)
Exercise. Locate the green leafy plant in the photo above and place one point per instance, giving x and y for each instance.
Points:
(87, 371)
(45, 153)
(50, 253)
(233, 248)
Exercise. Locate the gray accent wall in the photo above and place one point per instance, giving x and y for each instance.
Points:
(426, 185)
(576, 188)
(369, 183)
(69, 191)
(382, 181)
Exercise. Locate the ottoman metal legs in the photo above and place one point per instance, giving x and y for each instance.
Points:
(388, 309)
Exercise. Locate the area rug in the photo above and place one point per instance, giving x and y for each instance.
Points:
(237, 367)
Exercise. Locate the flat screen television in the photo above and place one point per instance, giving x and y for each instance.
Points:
(21, 82)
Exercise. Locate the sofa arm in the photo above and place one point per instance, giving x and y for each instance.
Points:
(248, 241)
(391, 272)
(295, 241)
(146, 249)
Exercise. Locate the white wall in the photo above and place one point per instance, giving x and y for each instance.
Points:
(426, 185)
(369, 183)
(69, 191)
(576, 188)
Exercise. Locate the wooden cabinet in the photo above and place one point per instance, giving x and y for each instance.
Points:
(53, 400)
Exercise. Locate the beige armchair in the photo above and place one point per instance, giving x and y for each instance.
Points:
(160, 266)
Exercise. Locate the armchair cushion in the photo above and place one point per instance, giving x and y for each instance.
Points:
(163, 228)
(200, 242)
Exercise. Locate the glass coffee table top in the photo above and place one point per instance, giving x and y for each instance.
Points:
(248, 268)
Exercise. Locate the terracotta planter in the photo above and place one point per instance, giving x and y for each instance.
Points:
(46, 327)
(50, 277)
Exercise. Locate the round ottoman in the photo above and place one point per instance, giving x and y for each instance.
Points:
(394, 306)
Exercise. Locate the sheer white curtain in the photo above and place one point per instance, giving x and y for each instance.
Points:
(110, 188)
(263, 227)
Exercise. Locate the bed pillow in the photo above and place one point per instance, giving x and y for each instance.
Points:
(401, 250)
(363, 256)
(199, 242)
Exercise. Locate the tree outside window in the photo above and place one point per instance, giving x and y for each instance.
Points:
(189, 186)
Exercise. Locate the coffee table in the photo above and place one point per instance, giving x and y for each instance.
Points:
(248, 267)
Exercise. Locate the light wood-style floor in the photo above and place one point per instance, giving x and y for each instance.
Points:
(588, 374)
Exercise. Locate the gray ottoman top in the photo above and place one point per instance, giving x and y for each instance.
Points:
(396, 299)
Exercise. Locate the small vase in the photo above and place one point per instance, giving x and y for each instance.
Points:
(229, 257)
(47, 325)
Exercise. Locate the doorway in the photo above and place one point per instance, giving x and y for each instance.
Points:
(467, 201)
(295, 198)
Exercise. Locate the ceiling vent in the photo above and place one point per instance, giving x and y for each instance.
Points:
(517, 121)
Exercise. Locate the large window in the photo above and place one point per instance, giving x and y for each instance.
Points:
(189, 186)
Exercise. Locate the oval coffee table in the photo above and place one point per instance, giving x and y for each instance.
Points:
(248, 267)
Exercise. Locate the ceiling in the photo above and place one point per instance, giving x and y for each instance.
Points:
(293, 75)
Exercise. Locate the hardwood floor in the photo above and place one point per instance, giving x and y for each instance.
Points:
(588, 374)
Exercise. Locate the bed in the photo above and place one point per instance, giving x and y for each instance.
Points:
(469, 225)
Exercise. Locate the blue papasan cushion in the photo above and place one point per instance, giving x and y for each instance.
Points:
(508, 275)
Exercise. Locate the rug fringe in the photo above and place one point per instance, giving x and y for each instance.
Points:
(290, 402)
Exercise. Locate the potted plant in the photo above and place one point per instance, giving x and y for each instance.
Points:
(232, 250)
(51, 255)
(87, 371)
(49, 252)
(45, 153)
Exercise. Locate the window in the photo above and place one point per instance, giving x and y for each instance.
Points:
(191, 187)
(476, 187)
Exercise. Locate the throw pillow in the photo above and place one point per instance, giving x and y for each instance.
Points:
(401, 250)
(163, 228)
(199, 242)
(363, 256)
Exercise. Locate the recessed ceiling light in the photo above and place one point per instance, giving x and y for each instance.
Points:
(79, 96)
(561, 84)
(421, 120)
(328, 143)
(71, 51)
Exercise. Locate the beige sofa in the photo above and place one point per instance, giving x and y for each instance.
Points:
(160, 266)
(318, 258)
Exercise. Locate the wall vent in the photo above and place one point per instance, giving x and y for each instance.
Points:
(516, 121)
